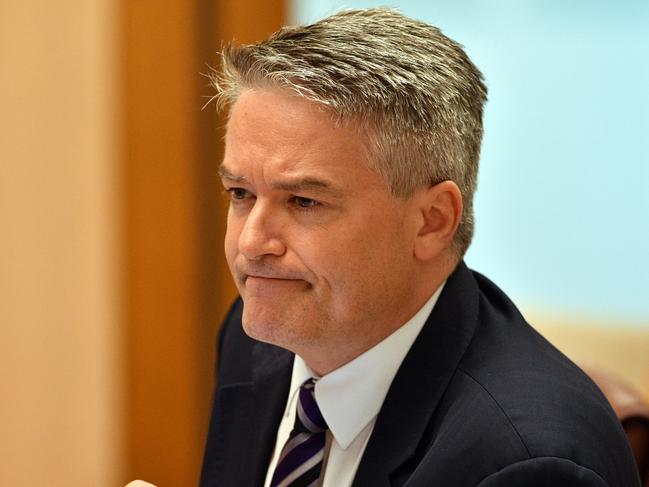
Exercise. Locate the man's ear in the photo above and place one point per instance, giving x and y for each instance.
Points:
(441, 212)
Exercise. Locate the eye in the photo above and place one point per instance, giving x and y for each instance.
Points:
(238, 194)
(305, 203)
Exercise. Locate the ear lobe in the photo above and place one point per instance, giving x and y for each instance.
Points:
(441, 210)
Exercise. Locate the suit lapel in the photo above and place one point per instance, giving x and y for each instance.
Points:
(421, 381)
(249, 415)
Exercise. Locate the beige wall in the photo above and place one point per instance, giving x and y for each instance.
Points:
(619, 348)
(59, 405)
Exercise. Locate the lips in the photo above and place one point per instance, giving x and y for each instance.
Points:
(273, 278)
(270, 287)
(270, 280)
(264, 271)
(258, 281)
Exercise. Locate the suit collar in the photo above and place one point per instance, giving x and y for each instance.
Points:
(252, 411)
(421, 380)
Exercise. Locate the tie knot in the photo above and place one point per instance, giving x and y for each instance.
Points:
(308, 413)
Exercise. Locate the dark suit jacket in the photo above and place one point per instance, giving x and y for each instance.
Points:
(481, 399)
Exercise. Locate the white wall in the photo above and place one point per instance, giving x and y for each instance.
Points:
(58, 308)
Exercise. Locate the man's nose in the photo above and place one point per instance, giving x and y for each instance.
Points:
(260, 235)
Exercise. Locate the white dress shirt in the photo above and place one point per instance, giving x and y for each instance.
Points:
(350, 398)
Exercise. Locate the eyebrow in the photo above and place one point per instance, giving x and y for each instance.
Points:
(224, 173)
(301, 184)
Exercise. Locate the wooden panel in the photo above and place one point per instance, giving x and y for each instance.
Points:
(160, 235)
(176, 282)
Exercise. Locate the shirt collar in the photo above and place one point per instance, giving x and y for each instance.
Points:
(352, 395)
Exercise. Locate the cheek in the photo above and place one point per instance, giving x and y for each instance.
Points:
(370, 261)
(348, 263)
(231, 241)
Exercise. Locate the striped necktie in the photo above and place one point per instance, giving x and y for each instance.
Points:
(301, 458)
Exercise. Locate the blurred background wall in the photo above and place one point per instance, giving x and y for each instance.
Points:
(60, 351)
(112, 280)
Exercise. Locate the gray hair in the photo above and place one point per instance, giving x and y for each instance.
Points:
(412, 90)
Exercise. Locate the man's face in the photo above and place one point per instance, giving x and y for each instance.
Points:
(321, 252)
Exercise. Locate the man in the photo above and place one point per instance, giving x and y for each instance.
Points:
(363, 351)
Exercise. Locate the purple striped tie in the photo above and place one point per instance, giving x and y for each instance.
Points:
(300, 462)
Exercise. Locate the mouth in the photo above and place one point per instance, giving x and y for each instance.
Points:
(273, 287)
(260, 276)
(270, 275)
(248, 277)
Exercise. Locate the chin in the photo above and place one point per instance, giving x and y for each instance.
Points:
(256, 330)
(273, 328)
(262, 324)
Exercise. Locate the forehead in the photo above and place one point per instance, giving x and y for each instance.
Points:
(274, 130)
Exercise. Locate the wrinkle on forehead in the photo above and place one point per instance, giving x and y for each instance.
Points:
(290, 135)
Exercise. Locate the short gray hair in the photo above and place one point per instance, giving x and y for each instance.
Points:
(414, 90)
